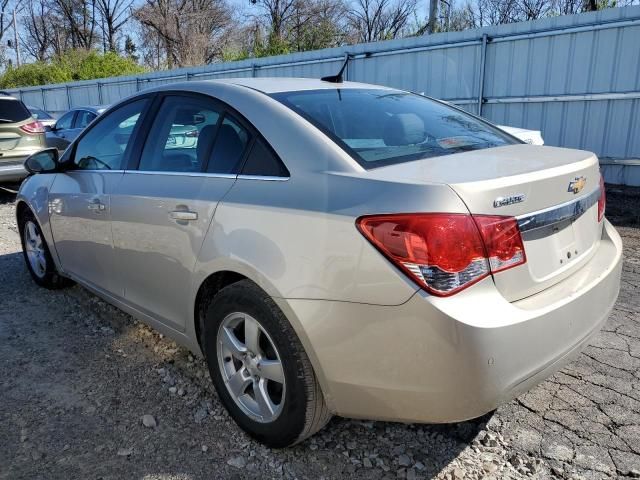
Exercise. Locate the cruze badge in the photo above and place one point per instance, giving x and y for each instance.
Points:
(577, 184)
(510, 200)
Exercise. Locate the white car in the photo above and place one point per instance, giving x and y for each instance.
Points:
(532, 137)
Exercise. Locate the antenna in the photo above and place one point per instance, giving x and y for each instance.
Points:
(338, 78)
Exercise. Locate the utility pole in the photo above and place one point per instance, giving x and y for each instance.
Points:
(15, 37)
(433, 16)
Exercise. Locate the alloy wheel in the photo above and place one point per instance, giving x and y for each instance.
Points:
(34, 246)
(251, 367)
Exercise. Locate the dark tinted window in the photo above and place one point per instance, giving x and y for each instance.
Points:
(65, 122)
(84, 118)
(181, 136)
(381, 127)
(262, 161)
(104, 145)
(13, 111)
(231, 142)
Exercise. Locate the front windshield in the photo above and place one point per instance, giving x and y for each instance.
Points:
(382, 127)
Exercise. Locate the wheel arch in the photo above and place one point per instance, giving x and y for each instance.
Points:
(207, 290)
(220, 279)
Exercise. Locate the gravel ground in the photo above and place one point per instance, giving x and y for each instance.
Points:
(87, 392)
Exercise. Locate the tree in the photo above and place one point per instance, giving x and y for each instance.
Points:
(130, 48)
(373, 20)
(191, 32)
(114, 14)
(74, 65)
(78, 22)
(38, 29)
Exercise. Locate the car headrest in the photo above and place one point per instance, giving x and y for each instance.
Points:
(228, 150)
(205, 140)
(404, 129)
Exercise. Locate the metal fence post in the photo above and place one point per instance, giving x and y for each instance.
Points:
(254, 70)
(68, 97)
(100, 93)
(137, 84)
(483, 58)
(347, 57)
(44, 99)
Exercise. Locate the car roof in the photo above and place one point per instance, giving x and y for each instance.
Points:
(91, 108)
(270, 85)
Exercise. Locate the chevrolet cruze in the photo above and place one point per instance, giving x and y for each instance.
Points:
(330, 248)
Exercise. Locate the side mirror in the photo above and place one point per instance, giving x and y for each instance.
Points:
(45, 161)
(48, 128)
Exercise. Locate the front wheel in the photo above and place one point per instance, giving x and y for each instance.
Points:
(37, 255)
(259, 367)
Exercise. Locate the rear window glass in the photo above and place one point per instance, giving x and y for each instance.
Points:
(39, 114)
(13, 111)
(382, 127)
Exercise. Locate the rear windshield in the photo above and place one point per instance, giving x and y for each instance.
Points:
(12, 111)
(40, 114)
(382, 127)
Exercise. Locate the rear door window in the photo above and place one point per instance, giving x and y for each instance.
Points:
(182, 135)
(13, 110)
(229, 147)
(66, 121)
(84, 118)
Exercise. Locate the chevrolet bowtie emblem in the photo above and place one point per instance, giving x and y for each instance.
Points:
(577, 184)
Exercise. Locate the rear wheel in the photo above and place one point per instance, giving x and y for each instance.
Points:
(37, 255)
(259, 367)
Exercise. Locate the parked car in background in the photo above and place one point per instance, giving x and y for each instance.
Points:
(332, 248)
(68, 126)
(45, 118)
(532, 137)
(20, 136)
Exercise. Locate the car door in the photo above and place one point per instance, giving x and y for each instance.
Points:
(79, 199)
(58, 136)
(163, 207)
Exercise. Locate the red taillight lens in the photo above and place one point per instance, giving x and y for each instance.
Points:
(502, 240)
(602, 201)
(445, 253)
(33, 127)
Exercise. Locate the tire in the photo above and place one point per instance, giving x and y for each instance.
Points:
(296, 409)
(43, 271)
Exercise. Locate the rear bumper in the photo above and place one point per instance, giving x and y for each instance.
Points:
(451, 359)
(13, 171)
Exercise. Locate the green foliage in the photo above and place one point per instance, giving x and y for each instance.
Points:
(73, 65)
(38, 73)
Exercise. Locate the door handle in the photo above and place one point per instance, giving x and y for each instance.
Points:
(96, 206)
(183, 215)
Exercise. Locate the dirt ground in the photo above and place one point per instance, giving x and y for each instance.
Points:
(77, 376)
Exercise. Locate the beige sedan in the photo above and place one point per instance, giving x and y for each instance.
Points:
(331, 248)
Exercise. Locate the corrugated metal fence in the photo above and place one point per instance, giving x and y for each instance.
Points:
(576, 78)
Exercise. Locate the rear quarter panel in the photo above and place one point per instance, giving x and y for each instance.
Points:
(297, 238)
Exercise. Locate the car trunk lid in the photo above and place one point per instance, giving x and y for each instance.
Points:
(553, 193)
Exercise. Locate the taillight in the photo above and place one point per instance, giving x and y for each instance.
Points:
(33, 127)
(445, 253)
(602, 200)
